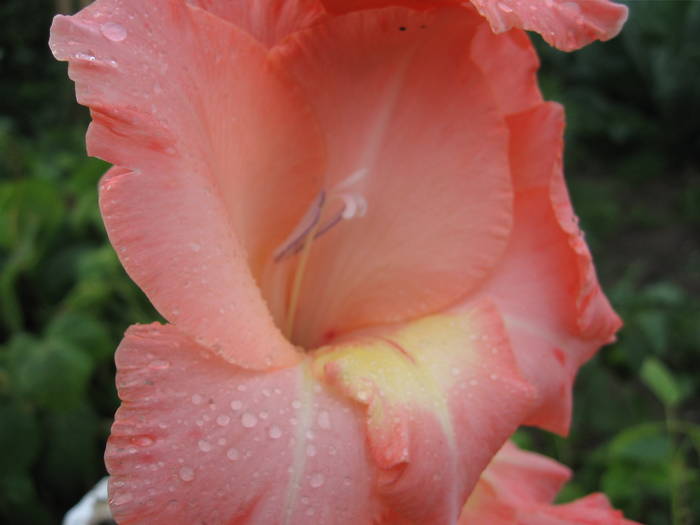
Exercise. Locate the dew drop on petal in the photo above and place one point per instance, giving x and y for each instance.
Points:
(159, 364)
(204, 446)
(310, 451)
(113, 31)
(236, 405)
(223, 420)
(186, 474)
(249, 420)
(324, 420)
(316, 480)
(121, 499)
(232, 454)
(197, 399)
(275, 432)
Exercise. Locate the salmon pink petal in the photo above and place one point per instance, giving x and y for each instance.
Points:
(345, 6)
(510, 62)
(517, 488)
(269, 21)
(565, 24)
(198, 440)
(217, 157)
(415, 135)
(555, 311)
(442, 394)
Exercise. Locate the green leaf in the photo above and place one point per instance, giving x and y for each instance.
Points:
(52, 374)
(19, 434)
(660, 380)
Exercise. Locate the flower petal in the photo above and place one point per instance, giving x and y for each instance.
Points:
(442, 394)
(198, 440)
(269, 21)
(510, 63)
(565, 24)
(518, 487)
(565, 317)
(402, 103)
(234, 163)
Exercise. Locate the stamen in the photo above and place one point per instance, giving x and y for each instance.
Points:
(299, 278)
(295, 240)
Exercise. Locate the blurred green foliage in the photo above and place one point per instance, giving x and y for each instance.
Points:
(633, 163)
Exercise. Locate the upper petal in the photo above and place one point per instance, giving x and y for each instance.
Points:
(403, 104)
(217, 157)
(269, 21)
(198, 440)
(566, 24)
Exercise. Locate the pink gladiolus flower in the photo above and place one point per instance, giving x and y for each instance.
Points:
(358, 230)
(517, 488)
(566, 24)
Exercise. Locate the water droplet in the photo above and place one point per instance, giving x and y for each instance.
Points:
(197, 399)
(296, 404)
(142, 441)
(310, 451)
(232, 454)
(204, 446)
(195, 247)
(324, 420)
(85, 56)
(347, 481)
(275, 432)
(249, 420)
(223, 420)
(159, 364)
(113, 31)
(473, 382)
(504, 7)
(121, 499)
(316, 480)
(186, 474)
(310, 511)
(240, 388)
(236, 405)
(263, 415)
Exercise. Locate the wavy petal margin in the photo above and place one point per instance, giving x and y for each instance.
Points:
(518, 488)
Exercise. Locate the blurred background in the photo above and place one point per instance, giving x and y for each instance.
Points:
(633, 165)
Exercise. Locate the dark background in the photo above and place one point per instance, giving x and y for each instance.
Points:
(633, 148)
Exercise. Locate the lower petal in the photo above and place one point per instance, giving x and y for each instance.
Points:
(518, 487)
(198, 440)
(442, 394)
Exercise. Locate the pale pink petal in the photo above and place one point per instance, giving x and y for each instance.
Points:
(198, 440)
(565, 24)
(269, 21)
(442, 394)
(217, 158)
(555, 312)
(517, 488)
(410, 119)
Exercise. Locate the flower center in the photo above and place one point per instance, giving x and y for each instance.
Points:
(329, 208)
